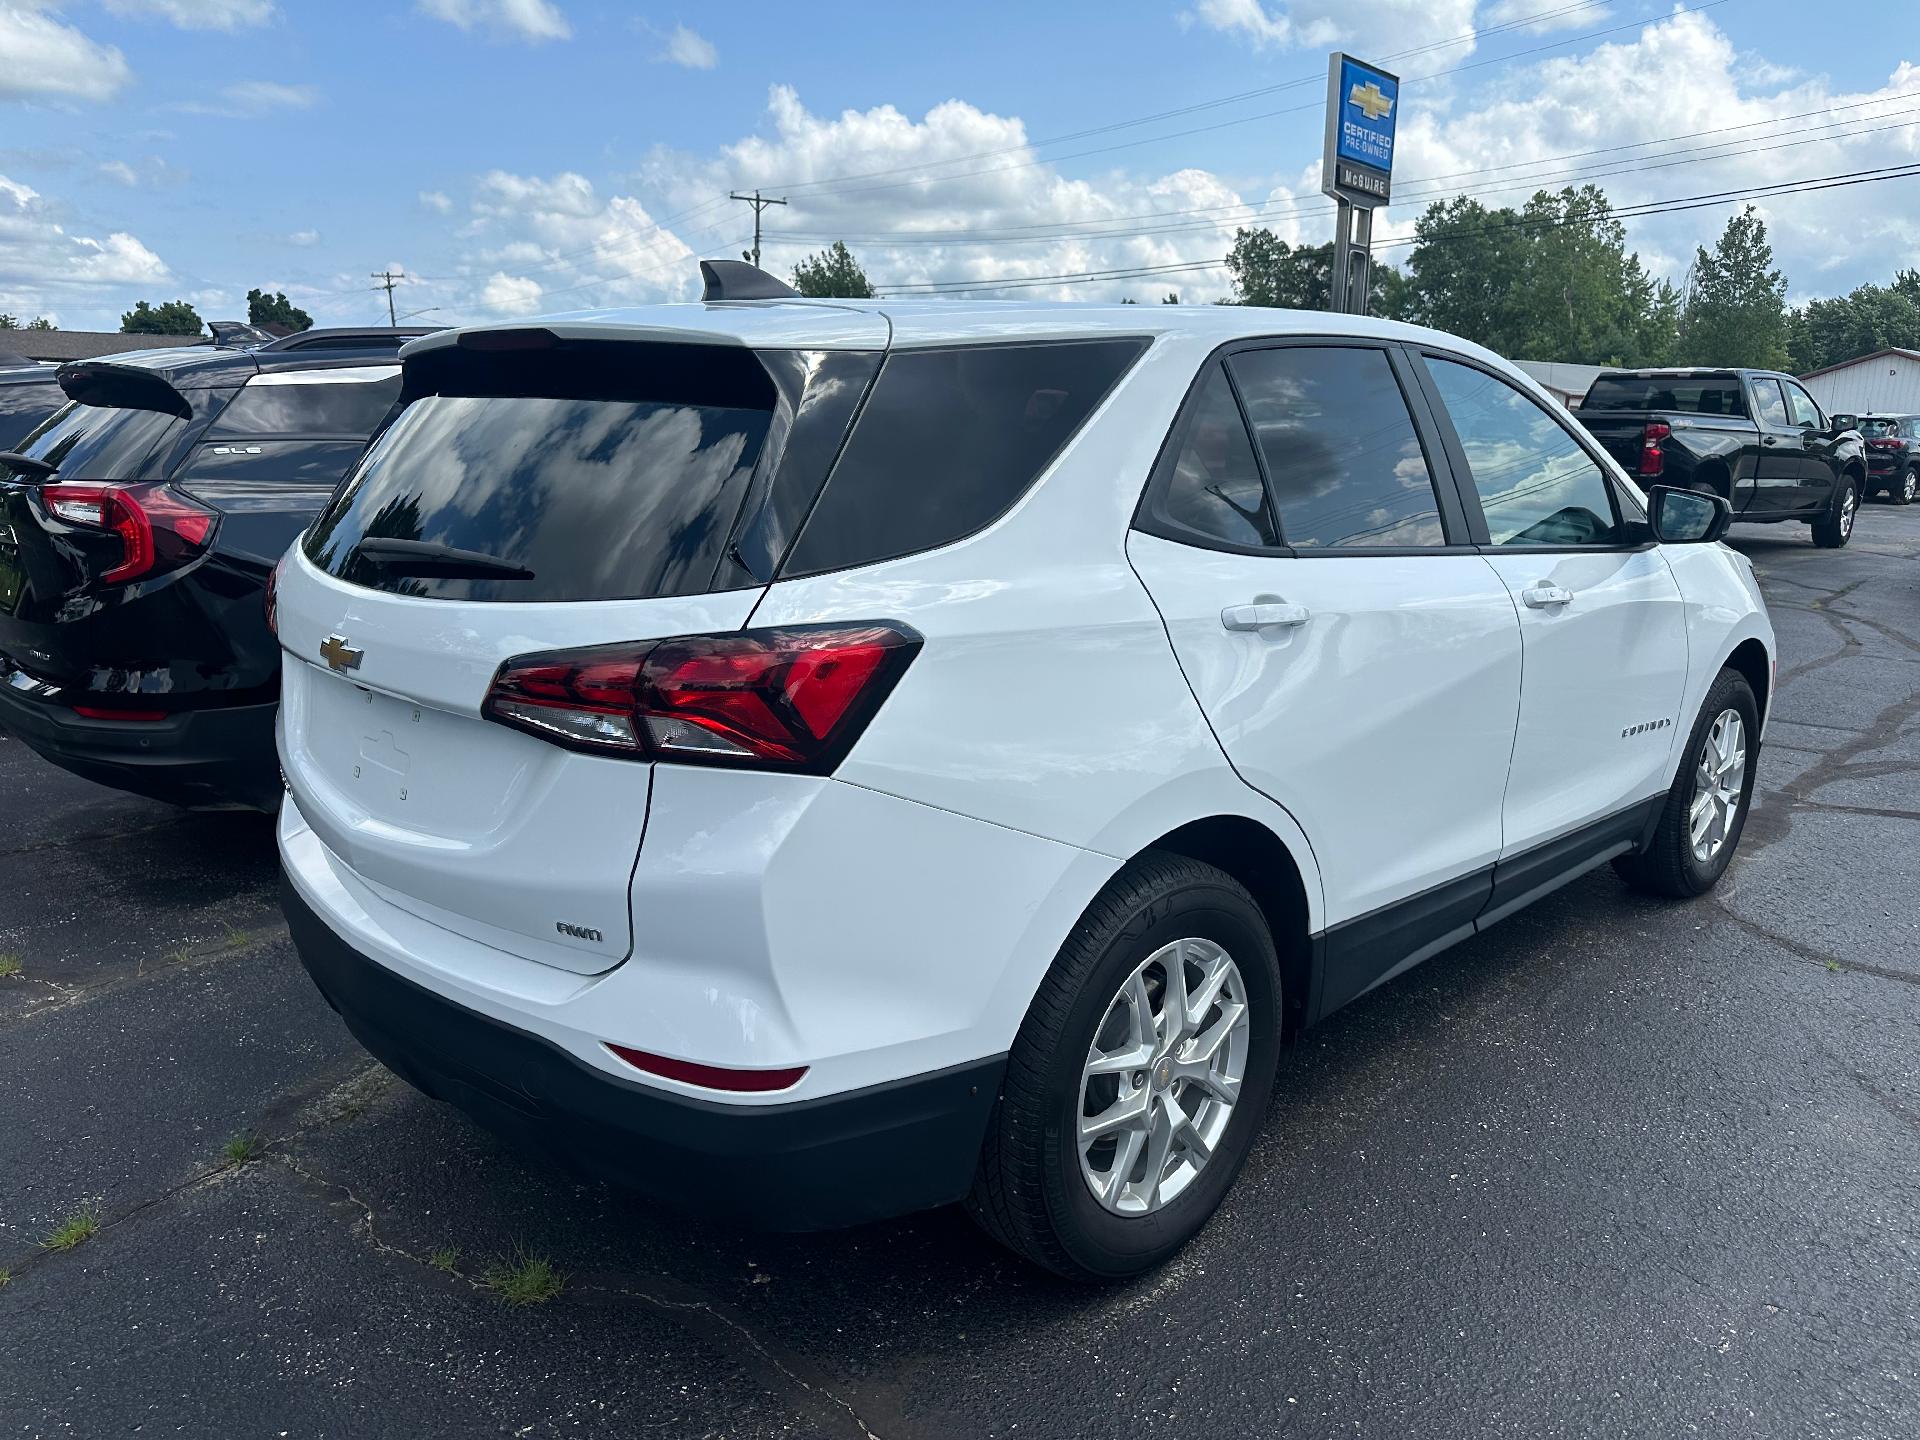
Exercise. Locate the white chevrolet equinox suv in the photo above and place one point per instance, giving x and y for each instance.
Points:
(818, 760)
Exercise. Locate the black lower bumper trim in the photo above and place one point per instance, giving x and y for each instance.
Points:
(804, 1165)
(218, 756)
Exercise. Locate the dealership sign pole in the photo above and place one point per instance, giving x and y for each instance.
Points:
(1363, 103)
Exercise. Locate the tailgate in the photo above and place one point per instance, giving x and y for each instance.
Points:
(1621, 436)
(489, 832)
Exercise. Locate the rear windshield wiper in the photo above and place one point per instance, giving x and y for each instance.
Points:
(26, 464)
(429, 557)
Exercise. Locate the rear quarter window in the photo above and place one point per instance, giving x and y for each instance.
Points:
(948, 441)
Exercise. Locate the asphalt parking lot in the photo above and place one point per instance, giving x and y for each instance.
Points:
(1618, 1167)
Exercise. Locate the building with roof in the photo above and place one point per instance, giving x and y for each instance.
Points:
(1887, 382)
(58, 345)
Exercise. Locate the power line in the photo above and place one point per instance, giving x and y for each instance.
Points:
(1908, 171)
(759, 204)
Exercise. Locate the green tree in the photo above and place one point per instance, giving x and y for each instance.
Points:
(276, 309)
(175, 317)
(832, 274)
(1737, 311)
(12, 322)
(1873, 317)
(1464, 270)
(1268, 271)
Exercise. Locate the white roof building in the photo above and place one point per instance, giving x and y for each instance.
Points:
(1886, 382)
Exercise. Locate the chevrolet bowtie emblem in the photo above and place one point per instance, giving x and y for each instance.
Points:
(339, 654)
(1370, 100)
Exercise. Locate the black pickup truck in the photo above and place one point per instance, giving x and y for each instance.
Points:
(1754, 437)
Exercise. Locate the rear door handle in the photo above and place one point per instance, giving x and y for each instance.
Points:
(1542, 596)
(1264, 614)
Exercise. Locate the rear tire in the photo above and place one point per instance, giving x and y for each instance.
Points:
(1674, 865)
(1906, 489)
(1096, 1209)
(1835, 528)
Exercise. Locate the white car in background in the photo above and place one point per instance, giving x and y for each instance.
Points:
(817, 760)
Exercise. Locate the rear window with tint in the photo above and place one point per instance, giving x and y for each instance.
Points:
(96, 442)
(948, 441)
(312, 402)
(1879, 429)
(1685, 395)
(22, 407)
(621, 481)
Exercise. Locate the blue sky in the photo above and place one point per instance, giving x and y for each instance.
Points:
(512, 156)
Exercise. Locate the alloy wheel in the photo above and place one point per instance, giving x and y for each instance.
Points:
(1162, 1076)
(1910, 486)
(1719, 782)
(1846, 513)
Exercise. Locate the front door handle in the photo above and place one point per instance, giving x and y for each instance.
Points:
(1264, 614)
(1542, 596)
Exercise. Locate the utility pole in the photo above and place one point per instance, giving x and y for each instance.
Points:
(389, 279)
(758, 204)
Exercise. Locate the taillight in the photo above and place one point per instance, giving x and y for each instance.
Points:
(712, 1077)
(159, 528)
(1653, 460)
(785, 699)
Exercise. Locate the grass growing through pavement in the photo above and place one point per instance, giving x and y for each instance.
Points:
(6, 1278)
(523, 1279)
(9, 966)
(446, 1258)
(241, 1148)
(72, 1230)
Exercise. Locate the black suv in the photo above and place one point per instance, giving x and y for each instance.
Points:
(1893, 455)
(138, 526)
(1755, 438)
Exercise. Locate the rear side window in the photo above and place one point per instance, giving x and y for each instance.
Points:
(1681, 394)
(948, 441)
(609, 472)
(101, 442)
(23, 407)
(1212, 488)
(1342, 456)
(347, 402)
(1769, 404)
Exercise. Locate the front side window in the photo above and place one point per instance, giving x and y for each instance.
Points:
(1800, 406)
(1769, 404)
(1343, 459)
(1213, 487)
(1536, 485)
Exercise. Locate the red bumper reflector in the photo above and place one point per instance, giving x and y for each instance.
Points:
(711, 1077)
(101, 712)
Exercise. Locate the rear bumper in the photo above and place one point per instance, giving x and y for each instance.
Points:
(805, 1165)
(221, 756)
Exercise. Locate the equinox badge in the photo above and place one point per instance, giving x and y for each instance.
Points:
(339, 654)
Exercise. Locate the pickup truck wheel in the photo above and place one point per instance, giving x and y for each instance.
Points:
(1835, 528)
(1706, 808)
(1139, 1078)
(1906, 489)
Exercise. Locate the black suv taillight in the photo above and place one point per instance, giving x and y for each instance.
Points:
(792, 698)
(159, 528)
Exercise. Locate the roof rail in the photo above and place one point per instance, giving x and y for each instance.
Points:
(737, 280)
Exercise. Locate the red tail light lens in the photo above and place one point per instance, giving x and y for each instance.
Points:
(1653, 460)
(785, 699)
(102, 712)
(159, 528)
(713, 1077)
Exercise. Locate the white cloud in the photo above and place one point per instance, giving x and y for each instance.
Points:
(437, 201)
(45, 59)
(1509, 12)
(305, 239)
(121, 171)
(1376, 26)
(688, 49)
(199, 14)
(42, 264)
(247, 98)
(511, 294)
(524, 19)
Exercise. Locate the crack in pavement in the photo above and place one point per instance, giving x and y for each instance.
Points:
(71, 995)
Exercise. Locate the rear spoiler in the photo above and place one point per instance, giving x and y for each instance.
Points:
(121, 387)
(238, 335)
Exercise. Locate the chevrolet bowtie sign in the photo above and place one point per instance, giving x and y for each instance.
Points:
(1362, 105)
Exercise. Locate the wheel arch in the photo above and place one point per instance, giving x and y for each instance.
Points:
(1262, 862)
(1754, 665)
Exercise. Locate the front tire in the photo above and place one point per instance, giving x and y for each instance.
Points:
(1706, 807)
(1139, 1078)
(1835, 528)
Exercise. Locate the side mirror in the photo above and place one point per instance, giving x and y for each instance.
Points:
(1686, 517)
